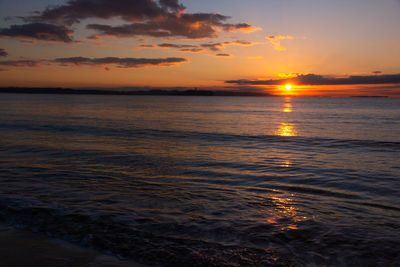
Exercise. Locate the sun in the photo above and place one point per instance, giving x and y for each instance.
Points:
(288, 87)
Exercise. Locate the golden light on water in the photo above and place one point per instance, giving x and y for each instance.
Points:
(285, 210)
(288, 108)
(286, 129)
(286, 164)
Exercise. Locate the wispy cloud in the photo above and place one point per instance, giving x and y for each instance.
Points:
(120, 62)
(3, 52)
(104, 62)
(178, 46)
(38, 31)
(215, 47)
(191, 50)
(182, 47)
(145, 46)
(21, 63)
(276, 41)
(221, 45)
(223, 55)
(313, 79)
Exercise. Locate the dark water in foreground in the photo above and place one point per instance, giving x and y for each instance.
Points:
(207, 180)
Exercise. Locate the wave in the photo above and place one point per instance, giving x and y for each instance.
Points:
(108, 235)
(219, 138)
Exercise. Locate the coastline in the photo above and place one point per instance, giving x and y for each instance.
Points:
(25, 248)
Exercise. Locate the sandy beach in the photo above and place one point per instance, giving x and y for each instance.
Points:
(24, 248)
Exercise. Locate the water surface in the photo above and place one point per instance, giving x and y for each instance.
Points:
(207, 180)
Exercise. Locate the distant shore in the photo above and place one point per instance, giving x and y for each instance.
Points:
(141, 91)
(160, 92)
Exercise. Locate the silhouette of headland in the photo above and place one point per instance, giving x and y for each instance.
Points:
(159, 92)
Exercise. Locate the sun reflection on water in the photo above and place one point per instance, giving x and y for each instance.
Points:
(285, 210)
(288, 107)
(286, 129)
(286, 164)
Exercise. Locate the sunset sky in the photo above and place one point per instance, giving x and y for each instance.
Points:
(320, 47)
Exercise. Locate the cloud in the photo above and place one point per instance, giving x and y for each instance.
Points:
(162, 18)
(190, 26)
(182, 48)
(21, 63)
(215, 47)
(223, 55)
(220, 46)
(209, 46)
(106, 61)
(192, 50)
(3, 52)
(138, 10)
(167, 45)
(276, 41)
(145, 46)
(313, 79)
(119, 62)
(38, 31)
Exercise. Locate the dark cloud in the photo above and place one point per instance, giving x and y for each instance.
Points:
(191, 26)
(199, 48)
(313, 79)
(146, 46)
(3, 52)
(182, 47)
(38, 31)
(120, 62)
(223, 55)
(130, 10)
(162, 18)
(178, 46)
(172, 4)
(80, 61)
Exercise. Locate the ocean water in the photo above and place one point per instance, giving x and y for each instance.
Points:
(207, 181)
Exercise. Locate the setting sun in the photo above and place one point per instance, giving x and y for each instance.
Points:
(288, 87)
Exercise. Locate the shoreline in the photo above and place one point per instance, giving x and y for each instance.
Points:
(20, 247)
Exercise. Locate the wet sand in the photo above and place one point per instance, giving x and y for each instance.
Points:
(24, 248)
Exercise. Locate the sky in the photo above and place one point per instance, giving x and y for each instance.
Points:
(319, 47)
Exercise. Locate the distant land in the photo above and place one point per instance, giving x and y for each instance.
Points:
(176, 91)
(382, 96)
(161, 92)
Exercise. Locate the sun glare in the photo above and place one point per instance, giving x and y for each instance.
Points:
(288, 87)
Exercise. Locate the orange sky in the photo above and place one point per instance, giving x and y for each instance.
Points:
(192, 44)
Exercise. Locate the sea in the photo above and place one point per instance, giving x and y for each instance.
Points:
(206, 181)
